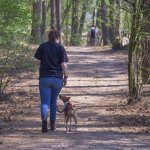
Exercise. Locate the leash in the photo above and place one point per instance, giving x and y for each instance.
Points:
(61, 111)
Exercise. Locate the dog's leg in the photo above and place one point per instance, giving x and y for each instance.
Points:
(67, 119)
(70, 127)
(66, 126)
(75, 120)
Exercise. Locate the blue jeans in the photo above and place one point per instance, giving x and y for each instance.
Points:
(50, 88)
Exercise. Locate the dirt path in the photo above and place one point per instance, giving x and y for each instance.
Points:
(98, 86)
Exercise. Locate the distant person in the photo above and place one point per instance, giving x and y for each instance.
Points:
(52, 58)
(92, 35)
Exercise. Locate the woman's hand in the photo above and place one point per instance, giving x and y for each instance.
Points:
(65, 81)
(64, 67)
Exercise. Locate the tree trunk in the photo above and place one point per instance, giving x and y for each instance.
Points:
(111, 17)
(93, 17)
(58, 14)
(117, 20)
(74, 25)
(105, 29)
(146, 43)
(131, 69)
(52, 12)
(66, 11)
(133, 49)
(98, 23)
(44, 19)
(68, 3)
(36, 21)
(82, 18)
(131, 75)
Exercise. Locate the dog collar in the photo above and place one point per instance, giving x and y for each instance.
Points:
(65, 104)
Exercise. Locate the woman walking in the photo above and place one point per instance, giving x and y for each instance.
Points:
(52, 58)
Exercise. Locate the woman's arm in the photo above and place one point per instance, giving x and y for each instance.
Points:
(64, 67)
(65, 72)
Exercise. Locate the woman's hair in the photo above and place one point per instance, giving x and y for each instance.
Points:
(53, 36)
(53, 28)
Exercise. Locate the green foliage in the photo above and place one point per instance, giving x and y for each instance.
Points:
(91, 5)
(15, 17)
(75, 40)
(117, 44)
(15, 59)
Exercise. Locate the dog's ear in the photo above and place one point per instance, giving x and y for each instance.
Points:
(68, 98)
(64, 97)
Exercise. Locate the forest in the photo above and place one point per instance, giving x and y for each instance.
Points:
(26, 23)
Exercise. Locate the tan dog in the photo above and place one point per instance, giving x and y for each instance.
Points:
(69, 111)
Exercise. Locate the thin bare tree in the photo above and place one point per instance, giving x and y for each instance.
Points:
(36, 20)
(105, 28)
(53, 20)
(58, 14)
(44, 19)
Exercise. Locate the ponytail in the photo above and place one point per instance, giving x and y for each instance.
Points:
(53, 36)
